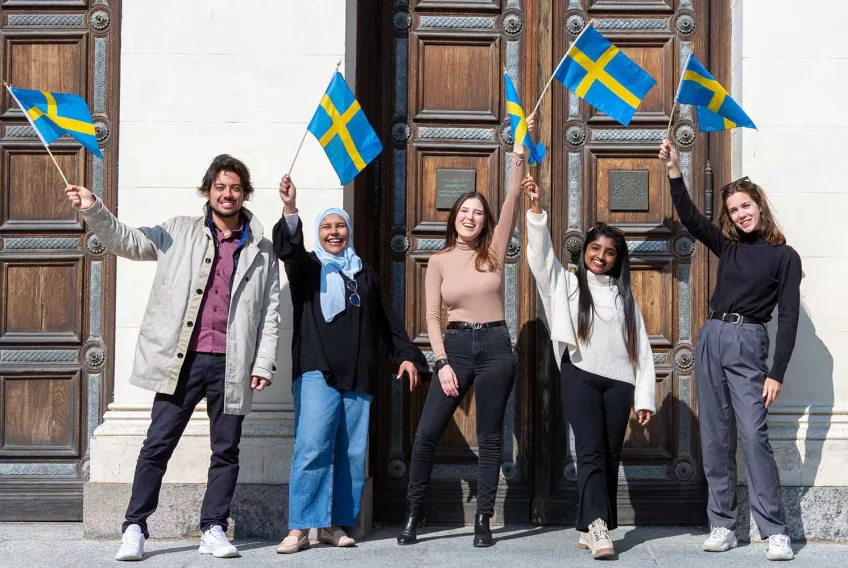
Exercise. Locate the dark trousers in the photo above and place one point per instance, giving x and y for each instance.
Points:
(482, 358)
(731, 371)
(202, 375)
(598, 410)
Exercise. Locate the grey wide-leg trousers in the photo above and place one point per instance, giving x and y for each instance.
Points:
(731, 369)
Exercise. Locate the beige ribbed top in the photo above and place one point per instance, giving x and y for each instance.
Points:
(468, 294)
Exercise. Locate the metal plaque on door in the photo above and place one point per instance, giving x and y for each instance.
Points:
(628, 190)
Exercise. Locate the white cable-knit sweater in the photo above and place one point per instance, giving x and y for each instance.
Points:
(605, 353)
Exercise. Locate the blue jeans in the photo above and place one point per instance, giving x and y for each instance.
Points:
(328, 467)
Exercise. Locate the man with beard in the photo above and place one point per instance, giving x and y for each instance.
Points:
(210, 330)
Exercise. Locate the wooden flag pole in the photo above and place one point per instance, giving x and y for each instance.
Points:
(679, 85)
(545, 90)
(670, 120)
(302, 140)
(40, 137)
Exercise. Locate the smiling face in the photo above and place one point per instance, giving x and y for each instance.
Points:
(470, 220)
(226, 196)
(744, 212)
(333, 234)
(600, 255)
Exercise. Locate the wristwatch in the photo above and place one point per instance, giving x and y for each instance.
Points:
(440, 364)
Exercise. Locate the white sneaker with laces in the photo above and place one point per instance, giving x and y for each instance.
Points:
(132, 544)
(779, 548)
(215, 542)
(720, 540)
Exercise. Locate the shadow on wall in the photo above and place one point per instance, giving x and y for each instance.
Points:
(798, 428)
(261, 510)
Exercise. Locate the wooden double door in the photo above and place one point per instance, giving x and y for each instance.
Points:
(438, 95)
(56, 282)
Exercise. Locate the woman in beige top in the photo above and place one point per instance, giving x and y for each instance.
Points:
(467, 275)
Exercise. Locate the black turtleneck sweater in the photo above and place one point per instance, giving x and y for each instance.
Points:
(753, 276)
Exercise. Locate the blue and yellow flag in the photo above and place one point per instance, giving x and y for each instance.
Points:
(55, 114)
(342, 129)
(716, 109)
(603, 76)
(520, 133)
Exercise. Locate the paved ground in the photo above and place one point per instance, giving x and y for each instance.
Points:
(62, 546)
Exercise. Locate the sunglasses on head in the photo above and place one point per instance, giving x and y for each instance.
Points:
(735, 183)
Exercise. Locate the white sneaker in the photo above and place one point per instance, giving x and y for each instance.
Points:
(779, 548)
(584, 543)
(215, 542)
(132, 544)
(720, 540)
(600, 542)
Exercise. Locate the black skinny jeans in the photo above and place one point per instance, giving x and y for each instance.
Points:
(598, 410)
(479, 357)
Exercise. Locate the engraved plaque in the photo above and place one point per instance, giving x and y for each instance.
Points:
(628, 190)
(450, 184)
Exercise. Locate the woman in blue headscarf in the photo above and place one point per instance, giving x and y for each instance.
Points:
(340, 317)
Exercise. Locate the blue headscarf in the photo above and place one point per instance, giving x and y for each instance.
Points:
(333, 294)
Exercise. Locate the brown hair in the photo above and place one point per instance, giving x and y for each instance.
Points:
(771, 231)
(485, 260)
(226, 163)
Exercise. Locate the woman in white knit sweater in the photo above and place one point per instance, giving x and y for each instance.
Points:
(605, 360)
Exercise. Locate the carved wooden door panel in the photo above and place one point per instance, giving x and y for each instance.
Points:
(447, 133)
(56, 284)
(603, 172)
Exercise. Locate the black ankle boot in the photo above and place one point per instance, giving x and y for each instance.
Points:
(409, 530)
(482, 532)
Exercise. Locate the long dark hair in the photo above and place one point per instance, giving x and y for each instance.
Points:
(485, 260)
(768, 224)
(620, 274)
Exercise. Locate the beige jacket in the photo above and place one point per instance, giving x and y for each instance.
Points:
(183, 247)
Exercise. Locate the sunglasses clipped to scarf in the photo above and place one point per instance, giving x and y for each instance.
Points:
(355, 300)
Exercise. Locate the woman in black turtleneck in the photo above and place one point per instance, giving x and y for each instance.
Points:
(757, 271)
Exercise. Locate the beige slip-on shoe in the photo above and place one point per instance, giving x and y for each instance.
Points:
(292, 544)
(335, 538)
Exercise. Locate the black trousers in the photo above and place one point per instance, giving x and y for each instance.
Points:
(598, 410)
(202, 375)
(482, 358)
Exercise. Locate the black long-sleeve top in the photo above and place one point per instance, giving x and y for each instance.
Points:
(345, 349)
(753, 276)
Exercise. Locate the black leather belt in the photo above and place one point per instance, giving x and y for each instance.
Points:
(735, 318)
(469, 325)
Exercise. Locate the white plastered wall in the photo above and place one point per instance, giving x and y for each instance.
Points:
(201, 78)
(790, 74)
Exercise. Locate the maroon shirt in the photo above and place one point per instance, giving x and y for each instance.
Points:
(210, 335)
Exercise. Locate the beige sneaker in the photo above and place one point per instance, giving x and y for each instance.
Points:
(292, 544)
(599, 540)
(335, 536)
(584, 543)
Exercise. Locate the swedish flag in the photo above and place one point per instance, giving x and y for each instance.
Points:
(598, 72)
(520, 133)
(55, 114)
(343, 131)
(716, 109)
